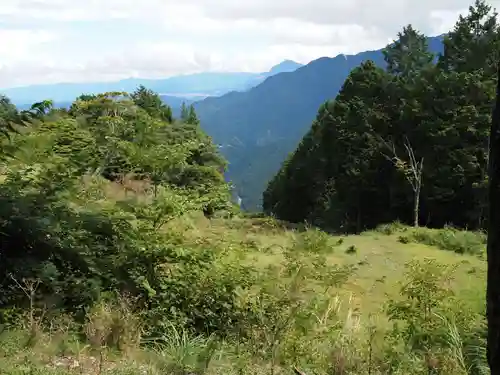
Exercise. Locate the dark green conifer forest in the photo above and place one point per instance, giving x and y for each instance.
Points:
(407, 143)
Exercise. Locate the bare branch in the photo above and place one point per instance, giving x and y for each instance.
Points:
(29, 286)
(389, 146)
(412, 169)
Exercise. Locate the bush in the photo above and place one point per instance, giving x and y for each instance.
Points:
(79, 253)
(431, 332)
(351, 250)
(459, 241)
(391, 228)
(404, 239)
(448, 238)
(112, 324)
(313, 240)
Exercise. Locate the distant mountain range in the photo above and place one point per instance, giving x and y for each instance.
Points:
(191, 87)
(257, 129)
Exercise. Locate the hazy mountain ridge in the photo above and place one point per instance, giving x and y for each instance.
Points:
(191, 86)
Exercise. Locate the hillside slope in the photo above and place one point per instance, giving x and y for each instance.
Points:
(258, 128)
(381, 266)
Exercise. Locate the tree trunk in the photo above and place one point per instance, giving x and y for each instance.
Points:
(493, 284)
(416, 207)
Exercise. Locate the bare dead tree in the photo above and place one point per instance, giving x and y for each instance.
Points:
(29, 287)
(411, 168)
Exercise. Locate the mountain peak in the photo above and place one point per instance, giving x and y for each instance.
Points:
(285, 66)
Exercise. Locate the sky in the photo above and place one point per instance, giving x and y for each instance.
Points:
(50, 41)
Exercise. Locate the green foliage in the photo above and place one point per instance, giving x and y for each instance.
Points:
(152, 104)
(452, 239)
(341, 177)
(351, 250)
(313, 240)
(9, 116)
(474, 42)
(188, 114)
(391, 228)
(290, 321)
(11, 120)
(447, 238)
(404, 239)
(408, 54)
(56, 229)
(181, 352)
(96, 260)
(78, 254)
(428, 324)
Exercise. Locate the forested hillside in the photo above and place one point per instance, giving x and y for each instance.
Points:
(259, 128)
(408, 142)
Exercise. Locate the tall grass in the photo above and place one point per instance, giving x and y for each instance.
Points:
(295, 316)
(448, 238)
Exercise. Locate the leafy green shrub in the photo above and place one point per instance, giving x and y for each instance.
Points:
(391, 228)
(351, 250)
(404, 239)
(112, 324)
(80, 253)
(44, 239)
(430, 327)
(179, 352)
(82, 243)
(459, 241)
(195, 290)
(313, 240)
(474, 347)
(284, 307)
(448, 238)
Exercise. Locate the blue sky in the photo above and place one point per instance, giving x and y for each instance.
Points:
(48, 41)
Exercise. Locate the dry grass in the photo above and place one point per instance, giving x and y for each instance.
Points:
(127, 187)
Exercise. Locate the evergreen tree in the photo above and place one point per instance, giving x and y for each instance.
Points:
(474, 42)
(152, 103)
(408, 54)
(8, 116)
(184, 112)
(192, 118)
(340, 177)
(188, 114)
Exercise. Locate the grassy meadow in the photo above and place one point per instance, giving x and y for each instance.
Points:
(394, 300)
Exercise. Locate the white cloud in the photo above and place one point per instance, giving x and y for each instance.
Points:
(89, 40)
(16, 44)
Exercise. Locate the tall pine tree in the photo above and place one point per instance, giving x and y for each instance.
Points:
(408, 54)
